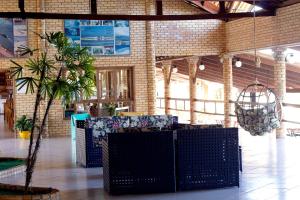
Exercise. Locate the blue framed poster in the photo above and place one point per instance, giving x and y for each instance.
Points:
(13, 34)
(100, 37)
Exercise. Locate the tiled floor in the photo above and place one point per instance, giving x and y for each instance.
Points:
(271, 172)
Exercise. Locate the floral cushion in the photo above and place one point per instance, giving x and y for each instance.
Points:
(139, 121)
(160, 121)
(120, 122)
(101, 126)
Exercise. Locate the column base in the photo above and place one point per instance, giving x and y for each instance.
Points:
(280, 133)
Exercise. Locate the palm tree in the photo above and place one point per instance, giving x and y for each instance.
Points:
(67, 74)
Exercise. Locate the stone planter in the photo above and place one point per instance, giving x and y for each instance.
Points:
(14, 192)
(18, 169)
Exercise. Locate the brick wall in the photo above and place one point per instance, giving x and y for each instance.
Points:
(270, 31)
(202, 37)
(194, 37)
(137, 59)
(24, 102)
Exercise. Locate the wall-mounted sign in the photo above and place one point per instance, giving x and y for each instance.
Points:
(100, 37)
(13, 34)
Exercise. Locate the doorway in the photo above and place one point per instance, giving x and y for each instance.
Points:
(6, 105)
(114, 87)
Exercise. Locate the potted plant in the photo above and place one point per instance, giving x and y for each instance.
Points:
(24, 126)
(59, 71)
(110, 108)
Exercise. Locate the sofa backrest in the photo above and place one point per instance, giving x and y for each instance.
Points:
(104, 125)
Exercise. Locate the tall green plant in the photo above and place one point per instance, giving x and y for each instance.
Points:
(61, 71)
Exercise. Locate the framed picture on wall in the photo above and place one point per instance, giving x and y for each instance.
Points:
(100, 37)
(13, 34)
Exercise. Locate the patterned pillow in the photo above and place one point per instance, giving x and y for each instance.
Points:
(139, 121)
(160, 121)
(102, 126)
(120, 122)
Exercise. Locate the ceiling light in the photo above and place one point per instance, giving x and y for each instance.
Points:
(221, 60)
(202, 66)
(290, 58)
(174, 69)
(238, 63)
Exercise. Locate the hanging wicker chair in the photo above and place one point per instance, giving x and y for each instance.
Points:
(258, 109)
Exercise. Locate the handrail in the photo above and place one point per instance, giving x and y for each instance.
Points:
(290, 121)
(105, 100)
(209, 101)
(220, 101)
(171, 98)
(291, 105)
(205, 101)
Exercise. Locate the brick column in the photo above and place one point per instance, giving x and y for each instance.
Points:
(192, 62)
(167, 67)
(150, 54)
(227, 78)
(280, 83)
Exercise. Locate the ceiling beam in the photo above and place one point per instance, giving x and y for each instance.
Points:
(222, 7)
(159, 7)
(241, 73)
(264, 74)
(21, 6)
(165, 58)
(93, 7)
(213, 72)
(41, 15)
(268, 61)
(294, 90)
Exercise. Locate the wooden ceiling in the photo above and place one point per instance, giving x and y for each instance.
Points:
(232, 6)
(244, 75)
(222, 9)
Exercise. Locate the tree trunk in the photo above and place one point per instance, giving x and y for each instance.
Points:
(31, 160)
(37, 103)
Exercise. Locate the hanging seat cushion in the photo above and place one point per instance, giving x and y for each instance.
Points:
(258, 120)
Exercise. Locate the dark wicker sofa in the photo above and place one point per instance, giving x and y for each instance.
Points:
(205, 158)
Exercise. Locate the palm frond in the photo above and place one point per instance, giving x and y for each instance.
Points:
(46, 87)
(16, 71)
(47, 64)
(29, 82)
(24, 50)
(33, 65)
